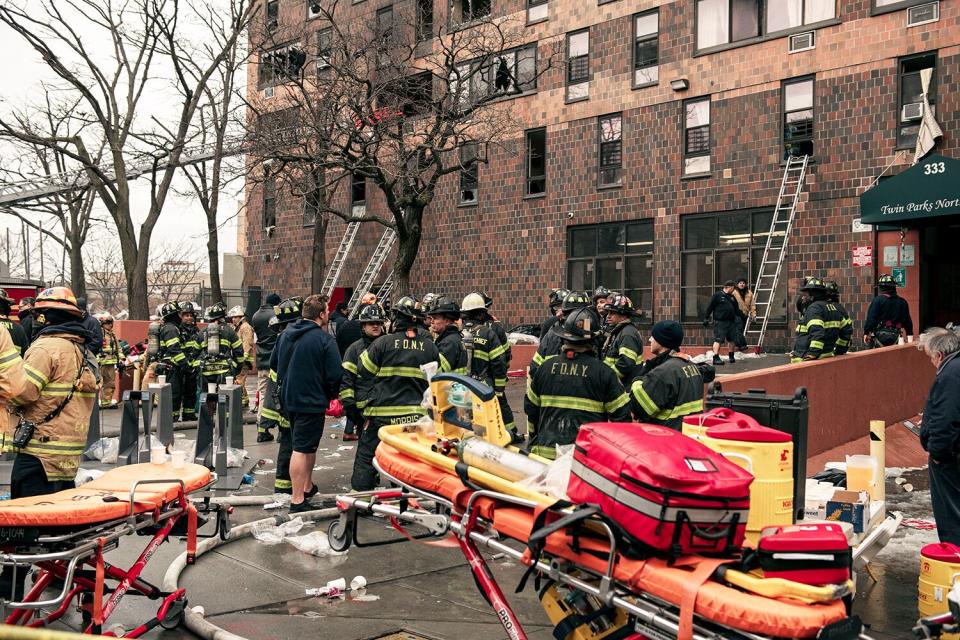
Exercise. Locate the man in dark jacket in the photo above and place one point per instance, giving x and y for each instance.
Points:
(337, 318)
(309, 374)
(670, 386)
(845, 328)
(556, 301)
(551, 343)
(92, 325)
(26, 314)
(940, 430)
(888, 318)
(266, 341)
(572, 388)
(443, 316)
(392, 370)
(623, 346)
(725, 311)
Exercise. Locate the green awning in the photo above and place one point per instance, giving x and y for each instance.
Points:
(929, 189)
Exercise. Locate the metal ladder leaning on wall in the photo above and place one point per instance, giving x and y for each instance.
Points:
(333, 273)
(373, 268)
(794, 175)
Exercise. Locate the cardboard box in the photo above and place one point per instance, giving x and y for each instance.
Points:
(850, 506)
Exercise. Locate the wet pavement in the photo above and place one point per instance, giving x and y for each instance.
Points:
(417, 590)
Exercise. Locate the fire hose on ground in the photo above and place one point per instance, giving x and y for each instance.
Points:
(194, 620)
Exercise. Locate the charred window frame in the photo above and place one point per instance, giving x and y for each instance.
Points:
(271, 15)
(269, 197)
(511, 73)
(469, 174)
(797, 106)
(280, 64)
(646, 49)
(910, 96)
(610, 156)
(696, 136)
(384, 35)
(358, 190)
(536, 162)
(578, 65)
(618, 256)
(424, 20)
(463, 12)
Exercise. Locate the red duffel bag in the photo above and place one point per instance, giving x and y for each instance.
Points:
(665, 490)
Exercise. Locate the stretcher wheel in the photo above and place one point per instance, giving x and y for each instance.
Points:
(174, 616)
(340, 534)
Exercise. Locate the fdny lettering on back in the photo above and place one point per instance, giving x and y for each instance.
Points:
(407, 344)
(568, 369)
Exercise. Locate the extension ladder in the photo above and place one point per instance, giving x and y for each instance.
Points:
(373, 268)
(333, 273)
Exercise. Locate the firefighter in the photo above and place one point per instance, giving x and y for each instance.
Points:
(372, 320)
(223, 354)
(623, 348)
(888, 318)
(17, 333)
(249, 340)
(266, 341)
(550, 344)
(572, 388)
(670, 386)
(488, 362)
(818, 329)
(443, 317)
(392, 384)
(556, 300)
(601, 296)
(169, 359)
(55, 405)
(26, 314)
(286, 313)
(109, 359)
(845, 328)
(193, 346)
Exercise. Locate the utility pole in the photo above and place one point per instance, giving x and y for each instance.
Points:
(40, 224)
(26, 248)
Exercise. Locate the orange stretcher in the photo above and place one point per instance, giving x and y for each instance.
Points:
(65, 535)
(663, 599)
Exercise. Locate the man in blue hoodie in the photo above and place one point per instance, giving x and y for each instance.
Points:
(308, 376)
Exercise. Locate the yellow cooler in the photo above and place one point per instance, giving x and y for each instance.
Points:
(768, 455)
(939, 564)
(696, 425)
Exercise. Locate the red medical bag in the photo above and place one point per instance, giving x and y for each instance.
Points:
(664, 489)
(809, 553)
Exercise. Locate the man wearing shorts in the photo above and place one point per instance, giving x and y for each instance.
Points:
(724, 309)
(308, 375)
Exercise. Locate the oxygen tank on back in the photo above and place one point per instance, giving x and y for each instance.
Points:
(213, 339)
(153, 339)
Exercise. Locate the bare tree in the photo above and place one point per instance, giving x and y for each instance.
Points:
(372, 102)
(174, 274)
(106, 281)
(145, 37)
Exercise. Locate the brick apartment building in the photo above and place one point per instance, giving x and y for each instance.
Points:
(652, 157)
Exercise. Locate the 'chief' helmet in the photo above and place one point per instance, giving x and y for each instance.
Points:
(216, 311)
(574, 300)
(580, 326)
(473, 302)
(371, 313)
(620, 304)
(57, 298)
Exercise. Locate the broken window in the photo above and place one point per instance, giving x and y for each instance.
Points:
(358, 190)
(324, 46)
(272, 15)
(279, 128)
(384, 35)
(578, 65)
(469, 174)
(611, 150)
(424, 20)
(510, 72)
(411, 95)
(280, 64)
(462, 11)
(536, 162)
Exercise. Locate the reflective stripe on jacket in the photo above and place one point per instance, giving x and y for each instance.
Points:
(453, 355)
(671, 388)
(623, 350)
(390, 370)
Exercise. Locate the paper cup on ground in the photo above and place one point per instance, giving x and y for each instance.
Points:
(340, 584)
(358, 583)
(178, 458)
(158, 455)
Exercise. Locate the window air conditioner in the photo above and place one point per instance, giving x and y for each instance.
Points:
(923, 14)
(912, 111)
(802, 41)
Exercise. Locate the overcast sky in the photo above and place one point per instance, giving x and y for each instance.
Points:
(182, 221)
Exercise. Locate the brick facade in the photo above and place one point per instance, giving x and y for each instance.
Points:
(515, 248)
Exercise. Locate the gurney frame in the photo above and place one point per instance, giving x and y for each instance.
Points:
(651, 617)
(59, 559)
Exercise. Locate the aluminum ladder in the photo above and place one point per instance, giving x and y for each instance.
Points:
(775, 250)
(373, 268)
(385, 288)
(333, 273)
